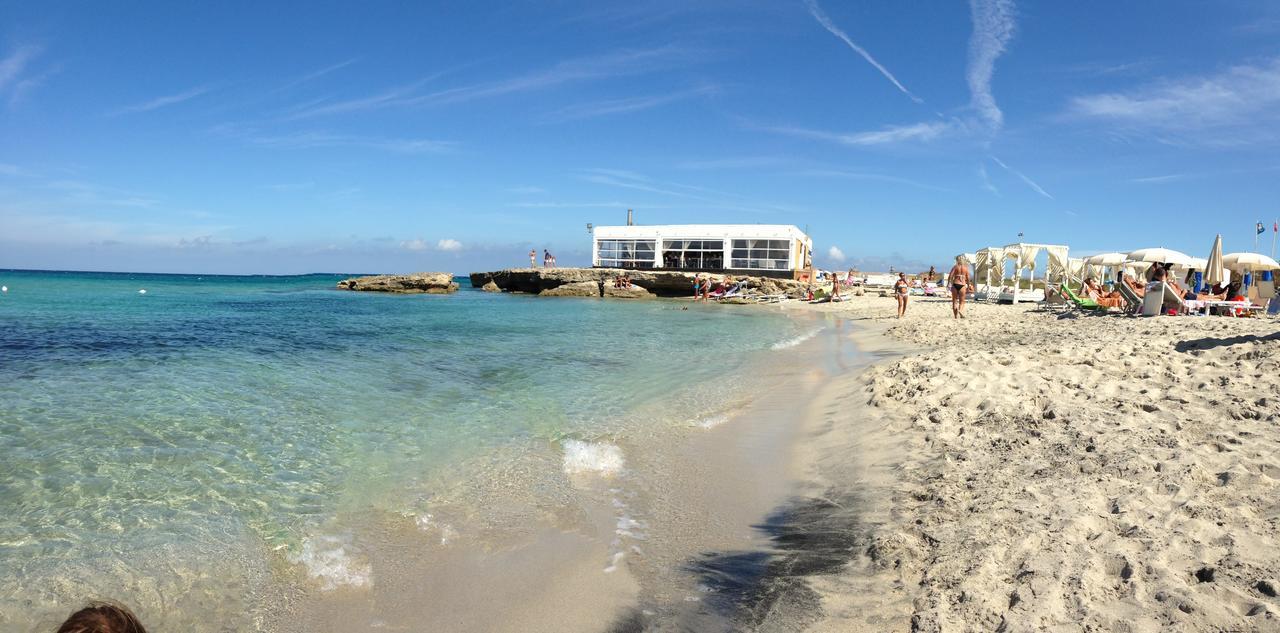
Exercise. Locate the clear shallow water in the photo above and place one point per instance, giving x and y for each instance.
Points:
(186, 449)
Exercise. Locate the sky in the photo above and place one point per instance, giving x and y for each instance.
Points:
(239, 137)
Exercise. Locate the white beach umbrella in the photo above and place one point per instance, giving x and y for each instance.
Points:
(1159, 255)
(1213, 273)
(1249, 262)
(1106, 259)
(1197, 263)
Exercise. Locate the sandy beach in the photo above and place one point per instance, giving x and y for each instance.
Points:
(1028, 469)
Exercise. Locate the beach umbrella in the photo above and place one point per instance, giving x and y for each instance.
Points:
(1106, 259)
(1159, 255)
(1249, 262)
(1213, 273)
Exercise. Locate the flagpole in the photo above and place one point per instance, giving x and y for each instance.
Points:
(1274, 229)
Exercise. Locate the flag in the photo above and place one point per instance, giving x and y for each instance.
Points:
(1261, 228)
(1275, 227)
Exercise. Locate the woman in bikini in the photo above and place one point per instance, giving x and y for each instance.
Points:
(959, 280)
(900, 289)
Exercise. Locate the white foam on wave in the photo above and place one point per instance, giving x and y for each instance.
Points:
(796, 340)
(328, 560)
(713, 421)
(592, 457)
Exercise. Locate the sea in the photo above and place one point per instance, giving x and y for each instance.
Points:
(206, 449)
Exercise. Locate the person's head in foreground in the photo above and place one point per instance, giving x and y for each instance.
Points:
(102, 617)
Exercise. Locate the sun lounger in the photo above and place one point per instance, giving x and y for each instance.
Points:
(1159, 297)
(1131, 298)
(1080, 302)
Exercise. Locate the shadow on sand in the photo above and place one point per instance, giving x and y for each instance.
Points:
(1210, 342)
(768, 589)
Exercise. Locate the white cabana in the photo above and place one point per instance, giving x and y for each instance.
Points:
(1024, 256)
(988, 272)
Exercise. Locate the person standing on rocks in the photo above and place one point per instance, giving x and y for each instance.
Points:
(546, 258)
(533, 258)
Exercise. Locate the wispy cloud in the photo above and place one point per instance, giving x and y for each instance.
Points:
(993, 26)
(857, 175)
(162, 102)
(986, 180)
(16, 80)
(818, 14)
(309, 140)
(616, 64)
(706, 197)
(1243, 98)
(734, 162)
(625, 105)
(1023, 177)
(924, 131)
(316, 74)
(449, 245)
(1160, 179)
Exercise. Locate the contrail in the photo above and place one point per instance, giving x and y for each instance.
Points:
(1030, 183)
(826, 23)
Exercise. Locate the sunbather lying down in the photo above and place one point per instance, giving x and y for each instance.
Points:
(1137, 288)
(1101, 297)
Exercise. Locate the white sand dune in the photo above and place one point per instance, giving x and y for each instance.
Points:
(1029, 470)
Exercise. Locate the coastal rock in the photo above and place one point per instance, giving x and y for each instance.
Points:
(414, 283)
(490, 287)
(575, 289)
(663, 283)
(634, 292)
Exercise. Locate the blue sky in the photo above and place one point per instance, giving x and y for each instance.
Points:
(229, 137)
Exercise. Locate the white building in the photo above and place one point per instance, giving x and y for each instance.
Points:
(777, 250)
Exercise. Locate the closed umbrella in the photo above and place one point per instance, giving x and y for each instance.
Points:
(1213, 273)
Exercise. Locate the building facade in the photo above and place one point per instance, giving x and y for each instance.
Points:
(778, 250)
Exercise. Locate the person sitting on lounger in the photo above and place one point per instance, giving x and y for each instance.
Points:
(1133, 284)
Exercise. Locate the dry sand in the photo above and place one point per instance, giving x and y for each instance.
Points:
(1029, 469)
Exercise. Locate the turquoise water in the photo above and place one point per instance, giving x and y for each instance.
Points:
(186, 448)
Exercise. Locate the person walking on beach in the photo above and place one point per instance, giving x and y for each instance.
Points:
(900, 289)
(835, 287)
(533, 258)
(959, 280)
(546, 258)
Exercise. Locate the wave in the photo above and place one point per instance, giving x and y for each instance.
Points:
(592, 457)
(796, 340)
(327, 559)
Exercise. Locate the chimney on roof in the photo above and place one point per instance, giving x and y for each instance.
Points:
(630, 221)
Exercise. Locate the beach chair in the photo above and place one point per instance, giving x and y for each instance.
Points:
(1080, 302)
(1131, 298)
(1158, 297)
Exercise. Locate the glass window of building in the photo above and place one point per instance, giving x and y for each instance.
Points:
(625, 253)
(760, 254)
(693, 254)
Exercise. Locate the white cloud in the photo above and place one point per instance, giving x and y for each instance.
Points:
(822, 18)
(12, 67)
(625, 105)
(161, 102)
(835, 254)
(414, 245)
(993, 27)
(986, 179)
(924, 131)
(1242, 96)
(308, 140)
(450, 245)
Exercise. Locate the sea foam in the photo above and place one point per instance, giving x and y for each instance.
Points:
(327, 559)
(796, 340)
(592, 457)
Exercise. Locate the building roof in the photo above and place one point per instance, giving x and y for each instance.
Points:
(695, 231)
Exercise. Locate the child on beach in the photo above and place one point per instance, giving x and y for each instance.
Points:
(102, 617)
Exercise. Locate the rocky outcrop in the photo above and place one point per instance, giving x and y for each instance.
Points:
(575, 289)
(665, 283)
(634, 292)
(490, 287)
(414, 283)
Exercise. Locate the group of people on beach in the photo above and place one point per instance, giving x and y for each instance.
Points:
(959, 284)
(548, 260)
(706, 288)
(622, 281)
